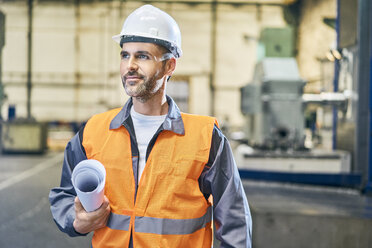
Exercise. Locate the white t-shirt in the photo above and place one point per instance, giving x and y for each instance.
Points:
(145, 126)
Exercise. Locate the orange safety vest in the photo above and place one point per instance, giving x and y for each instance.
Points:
(169, 209)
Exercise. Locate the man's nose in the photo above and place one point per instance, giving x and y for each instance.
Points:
(132, 64)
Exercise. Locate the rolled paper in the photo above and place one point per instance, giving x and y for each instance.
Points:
(88, 179)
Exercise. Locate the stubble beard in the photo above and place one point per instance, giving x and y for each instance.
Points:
(145, 90)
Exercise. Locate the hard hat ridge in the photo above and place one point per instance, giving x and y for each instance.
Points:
(150, 24)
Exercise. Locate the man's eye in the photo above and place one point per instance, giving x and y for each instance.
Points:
(124, 56)
(143, 57)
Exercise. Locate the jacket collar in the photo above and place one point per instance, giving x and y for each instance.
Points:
(173, 121)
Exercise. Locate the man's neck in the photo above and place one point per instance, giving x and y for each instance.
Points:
(156, 105)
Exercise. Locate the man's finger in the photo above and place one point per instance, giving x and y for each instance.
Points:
(78, 205)
(105, 204)
(102, 209)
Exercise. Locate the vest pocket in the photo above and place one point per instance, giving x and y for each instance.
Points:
(183, 167)
(189, 168)
(174, 197)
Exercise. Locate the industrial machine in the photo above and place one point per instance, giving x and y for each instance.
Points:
(21, 136)
(273, 104)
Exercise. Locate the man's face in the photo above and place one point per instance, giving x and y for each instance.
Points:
(141, 69)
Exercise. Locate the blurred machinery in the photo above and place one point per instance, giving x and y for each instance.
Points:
(274, 102)
(276, 149)
(22, 136)
(274, 106)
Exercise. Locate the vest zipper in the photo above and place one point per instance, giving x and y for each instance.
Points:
(152, 142)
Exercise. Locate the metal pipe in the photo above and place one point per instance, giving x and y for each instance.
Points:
(363, 146)
(368, 187)
(335, 79)
(29, 58)
(327, 98)
(77, 74)
(213, 56)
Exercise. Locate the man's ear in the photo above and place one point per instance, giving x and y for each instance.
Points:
(170, 66)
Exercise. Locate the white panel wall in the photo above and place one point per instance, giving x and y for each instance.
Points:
(15, 50)
(14, 54)
(76, 63)
(200, 95)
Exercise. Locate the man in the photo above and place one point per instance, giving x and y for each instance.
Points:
(162, 165)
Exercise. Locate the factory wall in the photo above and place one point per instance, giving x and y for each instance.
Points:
(72, 63)
(75, 63)
(315, 39)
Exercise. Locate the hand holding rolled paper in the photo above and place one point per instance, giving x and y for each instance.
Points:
(88, 179)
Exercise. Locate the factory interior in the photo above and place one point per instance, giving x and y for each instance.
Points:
(289, 81)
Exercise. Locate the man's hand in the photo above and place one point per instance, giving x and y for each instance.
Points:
(86, 222)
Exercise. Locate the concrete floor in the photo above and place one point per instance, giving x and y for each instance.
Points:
(25, 219)
(283, 215)
(292, 216)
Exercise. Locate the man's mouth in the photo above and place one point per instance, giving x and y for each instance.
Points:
(131, 79)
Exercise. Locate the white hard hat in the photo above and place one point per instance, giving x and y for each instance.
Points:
(150, 24)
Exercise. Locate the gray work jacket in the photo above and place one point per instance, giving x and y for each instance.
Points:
(220, 178)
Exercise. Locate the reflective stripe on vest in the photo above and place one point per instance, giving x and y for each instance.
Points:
(119, 222)
(158, 225)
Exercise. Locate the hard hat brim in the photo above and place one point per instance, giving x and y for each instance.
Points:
(134, 38)
(117, 38)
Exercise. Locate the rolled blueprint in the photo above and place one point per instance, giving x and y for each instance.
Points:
(88, 179)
